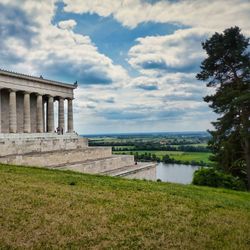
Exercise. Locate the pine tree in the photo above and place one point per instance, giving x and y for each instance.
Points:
(227, 69)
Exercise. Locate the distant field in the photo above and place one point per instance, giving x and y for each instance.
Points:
(168, 141)
(158, 142)
(194, 145)
(199, 145)
(177, 155)
(129, 147)
(172, 145)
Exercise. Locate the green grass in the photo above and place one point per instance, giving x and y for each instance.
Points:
(42, 208)
(190, 144)
(198, 144)
(129, 147)
(177, 155)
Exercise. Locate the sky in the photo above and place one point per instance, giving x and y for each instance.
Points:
(135, 61)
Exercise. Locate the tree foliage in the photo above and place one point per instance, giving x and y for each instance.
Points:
(227, 69)
(214, 178)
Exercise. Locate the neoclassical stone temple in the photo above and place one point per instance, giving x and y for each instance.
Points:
(28, 136)
(27, 104)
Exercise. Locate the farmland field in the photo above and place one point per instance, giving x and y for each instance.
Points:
(183, 147)
(177, 155)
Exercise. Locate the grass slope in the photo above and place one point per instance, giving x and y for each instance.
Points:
(41, 208)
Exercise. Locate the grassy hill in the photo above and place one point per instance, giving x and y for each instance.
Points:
(54, 209)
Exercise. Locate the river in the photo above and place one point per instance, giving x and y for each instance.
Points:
(177, 173)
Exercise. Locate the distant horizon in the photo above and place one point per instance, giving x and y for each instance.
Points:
(146, 133)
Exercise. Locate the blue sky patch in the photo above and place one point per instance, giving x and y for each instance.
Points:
(110, 37)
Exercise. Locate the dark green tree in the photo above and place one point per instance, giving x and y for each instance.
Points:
(227, 69)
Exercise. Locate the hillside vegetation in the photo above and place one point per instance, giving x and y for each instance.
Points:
(177, 155)
(42, 208)
(179, 148)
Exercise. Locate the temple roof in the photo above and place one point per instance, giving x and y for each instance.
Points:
(36, 79)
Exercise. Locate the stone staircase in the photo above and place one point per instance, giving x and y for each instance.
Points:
(134, 171)
(70, 152)
(99, 165)
(56, 157)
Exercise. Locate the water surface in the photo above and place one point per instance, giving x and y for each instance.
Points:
(178, 173)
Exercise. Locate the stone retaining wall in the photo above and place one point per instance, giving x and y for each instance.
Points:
(52, 158)
(43, 144)
(101, 165)
(68, 152)
(148, 173)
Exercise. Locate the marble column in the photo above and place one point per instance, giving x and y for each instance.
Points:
(26, 113)
(61, 115)
(39, 110)
(70, 116)
(50, 114)
(44, 120)
(12, 112)
(0, 111)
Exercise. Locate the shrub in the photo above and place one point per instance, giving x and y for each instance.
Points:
(214, 178)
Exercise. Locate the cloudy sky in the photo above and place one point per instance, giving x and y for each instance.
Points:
(135, 60)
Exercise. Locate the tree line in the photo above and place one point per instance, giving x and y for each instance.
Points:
(184, 148)
(150, 147)
(149, 157)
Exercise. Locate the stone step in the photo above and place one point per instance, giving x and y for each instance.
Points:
(99, 165)
(128, 170)
(52, 158)
(143, 171)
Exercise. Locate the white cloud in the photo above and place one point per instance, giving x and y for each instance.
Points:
(119, 103)
(176, 51)
(54, 47)
(180, 50)
(176, 99)
(212, 14)
(67, 24)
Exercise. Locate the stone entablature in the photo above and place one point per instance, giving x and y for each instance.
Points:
(27, 104)
(32, 84)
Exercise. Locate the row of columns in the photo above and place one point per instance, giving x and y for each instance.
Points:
(40, 114)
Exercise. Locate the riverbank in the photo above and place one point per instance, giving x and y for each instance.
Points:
(42, 208)
(177, 157)
(175, 173)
